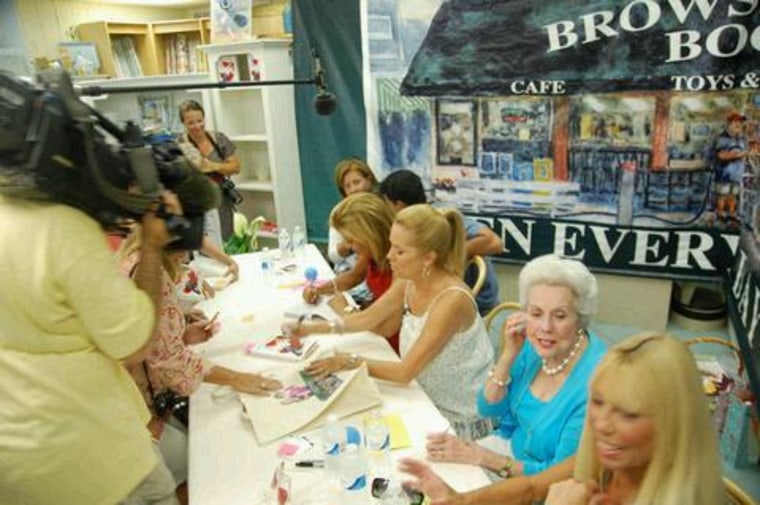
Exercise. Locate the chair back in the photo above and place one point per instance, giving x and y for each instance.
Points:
(479, 264)
(494, 322)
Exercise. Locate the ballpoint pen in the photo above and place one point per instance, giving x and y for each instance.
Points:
(315, 463)
(210, 322)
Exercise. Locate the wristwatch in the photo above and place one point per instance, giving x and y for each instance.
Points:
(353, 360)
(505, 471)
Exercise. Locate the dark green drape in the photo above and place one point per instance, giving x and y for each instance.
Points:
(331, 27)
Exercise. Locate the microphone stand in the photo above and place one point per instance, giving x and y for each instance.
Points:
(101, 90)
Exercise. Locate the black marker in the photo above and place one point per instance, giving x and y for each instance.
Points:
(317, 463)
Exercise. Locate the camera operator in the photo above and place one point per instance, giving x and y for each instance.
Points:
(72, 424)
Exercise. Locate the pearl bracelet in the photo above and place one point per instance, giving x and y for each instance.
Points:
(497, 382)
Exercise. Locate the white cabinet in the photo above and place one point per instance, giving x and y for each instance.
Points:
(261, 121)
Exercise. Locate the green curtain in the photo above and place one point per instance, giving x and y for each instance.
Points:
(331, 27)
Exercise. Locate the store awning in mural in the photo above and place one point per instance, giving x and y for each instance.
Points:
(555, 47)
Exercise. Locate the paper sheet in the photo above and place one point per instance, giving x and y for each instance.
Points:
(273, 417)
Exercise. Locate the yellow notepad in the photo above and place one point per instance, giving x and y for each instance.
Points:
(397, 429)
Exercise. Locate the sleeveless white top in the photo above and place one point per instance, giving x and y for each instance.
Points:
(453, 378)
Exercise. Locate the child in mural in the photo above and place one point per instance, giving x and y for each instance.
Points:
(731, 151)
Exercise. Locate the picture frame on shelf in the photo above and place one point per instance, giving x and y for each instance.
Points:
(79, 58)
(156, 113)
(231, 20)
(227, 69)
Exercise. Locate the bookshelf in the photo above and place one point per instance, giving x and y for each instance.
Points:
(150, 44)
(261, 122)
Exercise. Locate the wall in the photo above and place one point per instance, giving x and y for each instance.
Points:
(631, 301)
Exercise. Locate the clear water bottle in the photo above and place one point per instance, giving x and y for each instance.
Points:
(284, 243)
(267, 268)
(377, 442)
(353, 474)
(333, 442)
(299, 241)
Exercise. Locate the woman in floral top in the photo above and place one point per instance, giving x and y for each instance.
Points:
(170, 363)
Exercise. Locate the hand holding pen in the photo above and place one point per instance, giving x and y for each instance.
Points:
(200, 330)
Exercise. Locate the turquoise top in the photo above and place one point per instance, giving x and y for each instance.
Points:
(543, 433)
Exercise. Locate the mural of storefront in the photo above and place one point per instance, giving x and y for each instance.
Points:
(588, 115)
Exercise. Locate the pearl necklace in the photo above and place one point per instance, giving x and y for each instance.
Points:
(551, 371)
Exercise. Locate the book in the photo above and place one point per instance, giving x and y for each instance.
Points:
(281, 348)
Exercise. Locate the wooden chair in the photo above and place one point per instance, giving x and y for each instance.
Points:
(735, 494)
(480, 265)
(494, 321)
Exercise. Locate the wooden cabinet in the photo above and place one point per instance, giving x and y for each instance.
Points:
(135, 49)
(261, 121)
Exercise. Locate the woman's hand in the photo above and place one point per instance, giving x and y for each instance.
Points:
(311, 294)
(232, 270)
(572, 492)
(206, 290)
(323, 367)
(198, 332)
(447, 447)
(513, 336)
(208, 166)
(255, 384)
(427, 481)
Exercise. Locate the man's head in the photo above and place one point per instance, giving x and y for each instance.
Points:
(403, 188)
(735, 123)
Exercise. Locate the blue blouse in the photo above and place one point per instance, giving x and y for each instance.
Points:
(543, 433)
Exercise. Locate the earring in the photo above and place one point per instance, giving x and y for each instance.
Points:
(426, 272)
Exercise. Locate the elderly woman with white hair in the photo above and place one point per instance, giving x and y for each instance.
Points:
(536, 392)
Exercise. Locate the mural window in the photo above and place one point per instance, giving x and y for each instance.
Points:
(456, 132)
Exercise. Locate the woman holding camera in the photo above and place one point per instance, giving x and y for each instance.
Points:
(213, 153)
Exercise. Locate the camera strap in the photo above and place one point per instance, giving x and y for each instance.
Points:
(151, 391)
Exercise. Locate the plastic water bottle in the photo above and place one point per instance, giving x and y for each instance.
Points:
(299, 241)
(284, 243)
(333, 442)
(267, 269)
(353, 474)
(377, 441)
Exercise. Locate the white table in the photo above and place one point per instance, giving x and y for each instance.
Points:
(226, 464)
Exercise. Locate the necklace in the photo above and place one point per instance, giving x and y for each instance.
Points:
(550, 371)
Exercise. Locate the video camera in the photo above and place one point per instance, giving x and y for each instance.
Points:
(55, 147)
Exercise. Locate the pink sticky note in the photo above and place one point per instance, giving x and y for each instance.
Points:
(287, 449)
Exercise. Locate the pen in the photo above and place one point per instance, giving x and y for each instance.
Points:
(316, 463)
(313, 347)
(211, 321)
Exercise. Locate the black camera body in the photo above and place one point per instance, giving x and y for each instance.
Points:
(55, 147)
(167, 403)
(230, 192)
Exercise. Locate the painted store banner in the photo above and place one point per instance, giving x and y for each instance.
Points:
(630, 116)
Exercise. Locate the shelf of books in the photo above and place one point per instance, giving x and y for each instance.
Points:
(138, 49)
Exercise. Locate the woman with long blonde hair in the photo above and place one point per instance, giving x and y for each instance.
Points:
(443, 342)
(648, 438)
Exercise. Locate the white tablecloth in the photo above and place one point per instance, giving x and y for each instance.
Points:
(226, 464)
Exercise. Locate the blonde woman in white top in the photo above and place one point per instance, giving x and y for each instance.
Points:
(443, 342)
